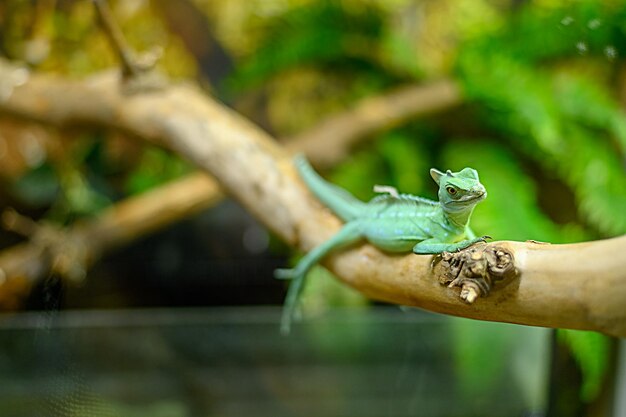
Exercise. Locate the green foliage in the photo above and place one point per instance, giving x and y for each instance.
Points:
(591, 351)
(360, 173)
(486, 354)
(80, 196)
(155, 167)
(538, 34)
(585, 101)
(39, 187)
(478, 352)
(385, 162)
(404, 157)
(563, 122)
(68, 189)
(321, 34)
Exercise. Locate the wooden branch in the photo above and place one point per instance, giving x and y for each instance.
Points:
(185, 197)
(325, 144)
(139, 215)
(131, 67)
(69, 252)
(580, 286)
(331, 140)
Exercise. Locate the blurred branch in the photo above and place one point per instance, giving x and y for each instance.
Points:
(330, 141)
(579, 286)
(37, 47)
(153, 210)
(70, 252)
(186, 20)
(136, 69)
(116, 38)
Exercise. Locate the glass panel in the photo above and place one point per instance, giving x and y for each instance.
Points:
(234, 362)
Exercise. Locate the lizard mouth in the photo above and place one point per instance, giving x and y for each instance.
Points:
(476, 197)
(468, 199)
(473, 197)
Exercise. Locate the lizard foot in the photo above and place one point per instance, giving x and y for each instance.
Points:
(482, 239)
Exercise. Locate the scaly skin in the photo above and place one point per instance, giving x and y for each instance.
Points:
(392, 222)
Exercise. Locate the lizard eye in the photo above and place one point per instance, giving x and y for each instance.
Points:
(451, 190)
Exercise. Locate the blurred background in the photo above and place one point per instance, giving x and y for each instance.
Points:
(182, 319)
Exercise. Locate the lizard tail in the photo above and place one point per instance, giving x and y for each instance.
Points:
(341, 202)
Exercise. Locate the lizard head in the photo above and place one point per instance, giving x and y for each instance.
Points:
(459, 191)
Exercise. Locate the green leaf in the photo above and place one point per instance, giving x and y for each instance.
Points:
(407, 161)
(323, 34)
(37, 187)
(524, 108)
(155, 168)
(591, 351)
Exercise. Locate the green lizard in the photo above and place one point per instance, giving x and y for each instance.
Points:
(392, 222)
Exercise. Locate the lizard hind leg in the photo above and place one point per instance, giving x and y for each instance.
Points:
(350, 233)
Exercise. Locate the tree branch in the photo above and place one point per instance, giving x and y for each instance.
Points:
(330, 141)
(116, 38)
(69, 252)
(153, 210)
(580, 286)
(327, 143)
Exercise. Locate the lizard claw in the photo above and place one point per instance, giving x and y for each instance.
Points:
(485, 238)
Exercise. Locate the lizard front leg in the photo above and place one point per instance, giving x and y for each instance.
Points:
(349, 233)
(434, 246)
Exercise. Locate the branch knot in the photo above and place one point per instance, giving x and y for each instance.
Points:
(476, 269)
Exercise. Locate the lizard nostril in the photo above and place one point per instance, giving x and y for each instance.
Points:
(478, 190)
